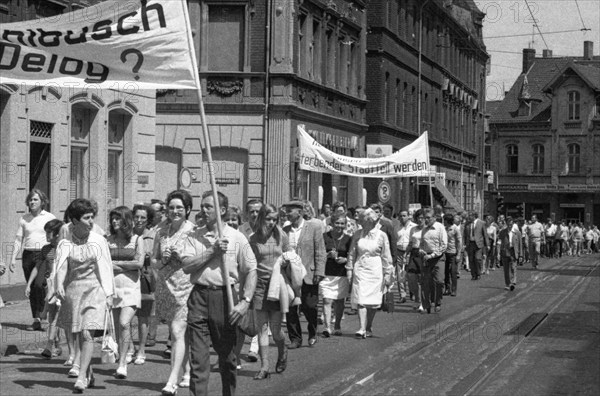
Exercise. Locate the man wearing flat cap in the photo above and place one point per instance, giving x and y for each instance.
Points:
(306, 239)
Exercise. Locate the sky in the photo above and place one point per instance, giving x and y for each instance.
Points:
(512, 18)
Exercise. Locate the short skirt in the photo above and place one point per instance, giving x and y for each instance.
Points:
(334, 287)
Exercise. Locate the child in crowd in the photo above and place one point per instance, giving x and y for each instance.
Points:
(43, 274)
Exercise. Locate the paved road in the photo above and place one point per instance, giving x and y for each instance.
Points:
(541, 339)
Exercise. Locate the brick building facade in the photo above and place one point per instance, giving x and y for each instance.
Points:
(452, 74)
(545, 138)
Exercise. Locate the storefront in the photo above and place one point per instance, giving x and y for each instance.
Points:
(571, 202)
(322, 188)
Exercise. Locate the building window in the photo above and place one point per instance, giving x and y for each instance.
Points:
(538, 158)
(597, 112)
(397, 109)
(331, 53)
(386, 103)
(83, 117)
(118, 124)
(574, 105)
(226, 38)
(573, 159)
(302, 47)
(512, 158)
(316, 50)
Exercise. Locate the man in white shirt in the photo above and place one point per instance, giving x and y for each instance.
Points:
(434, 242)
(403, 252)
(550, 230)
(510, 251)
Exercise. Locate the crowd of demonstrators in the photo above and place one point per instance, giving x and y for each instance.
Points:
(154, 263)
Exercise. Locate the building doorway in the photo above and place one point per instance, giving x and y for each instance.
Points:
(39, 157)
(573, 214)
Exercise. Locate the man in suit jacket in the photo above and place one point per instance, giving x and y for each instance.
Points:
(510, 251)
(306, 238)
(475, 239)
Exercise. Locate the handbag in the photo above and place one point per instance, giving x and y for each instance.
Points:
(387, 303)
(147, 280)
(110, 348)
(248, 324)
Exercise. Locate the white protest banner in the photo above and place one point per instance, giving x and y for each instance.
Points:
(143, 42)
(412, 160)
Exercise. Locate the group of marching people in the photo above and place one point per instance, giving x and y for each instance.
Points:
(155, 264)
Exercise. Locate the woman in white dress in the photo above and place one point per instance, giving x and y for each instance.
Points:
(369, 270)
(88, 292)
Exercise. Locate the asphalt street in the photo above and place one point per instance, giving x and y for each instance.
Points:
(543, 338)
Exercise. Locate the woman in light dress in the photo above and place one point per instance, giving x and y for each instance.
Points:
(369, 270)
(127, 254)
(88, 292)
(174, 287)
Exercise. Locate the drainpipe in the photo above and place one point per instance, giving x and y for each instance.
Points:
(267, 88)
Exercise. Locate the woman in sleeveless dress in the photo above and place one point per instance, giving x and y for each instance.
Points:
(88, 294)
(127, 254)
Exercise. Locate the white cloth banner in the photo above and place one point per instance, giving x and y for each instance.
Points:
(146, 43)
(412, 160)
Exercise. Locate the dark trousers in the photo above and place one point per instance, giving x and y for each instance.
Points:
(208, 323)
(310, 298)
(37, 295)
(451, 273)
(558, 247)
(510, 270)
(433, 282)
(475, 259)
(550, 247)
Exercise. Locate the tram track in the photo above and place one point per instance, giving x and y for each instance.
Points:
(405, 358)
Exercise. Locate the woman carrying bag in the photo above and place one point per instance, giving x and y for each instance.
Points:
(85, 256)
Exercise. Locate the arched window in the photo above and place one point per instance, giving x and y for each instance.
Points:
(512, 158)
(538, 158)
(574, 105)
(573, 158)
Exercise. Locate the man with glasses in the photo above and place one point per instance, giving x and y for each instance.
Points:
(434, 242)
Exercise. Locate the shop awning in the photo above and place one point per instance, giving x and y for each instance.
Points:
(439, 184)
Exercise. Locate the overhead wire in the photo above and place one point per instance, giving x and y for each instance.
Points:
(528, 34)
(536, 25)
(584, 29)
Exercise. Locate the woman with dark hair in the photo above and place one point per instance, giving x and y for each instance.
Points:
(88, 291)
(334, 287)
(127, 255)
(174, 286)
(31, 237)
(268, 243)
(143, 218)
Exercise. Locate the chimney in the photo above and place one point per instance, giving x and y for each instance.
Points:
(528, 58)
(547, 53)
(588, 50)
